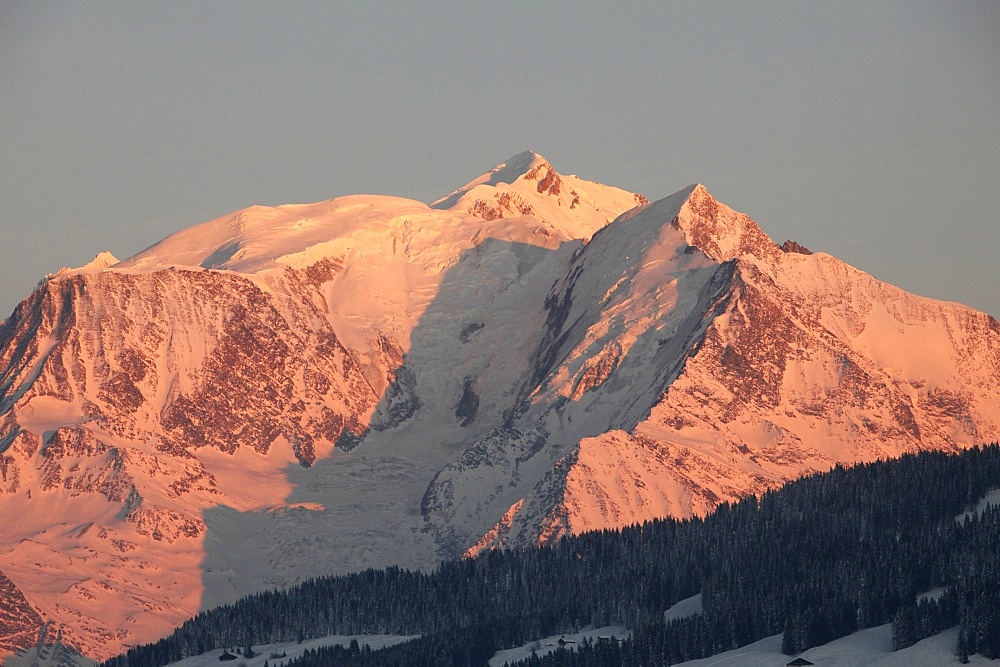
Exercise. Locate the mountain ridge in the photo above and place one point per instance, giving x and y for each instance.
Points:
(309, 389)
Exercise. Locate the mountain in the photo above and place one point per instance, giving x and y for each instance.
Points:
(710, 364)
(307, 389)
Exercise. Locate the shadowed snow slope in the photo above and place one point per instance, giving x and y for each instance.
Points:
(309, 389)
(871, 647)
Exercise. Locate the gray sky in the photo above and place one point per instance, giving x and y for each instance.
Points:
(867, 130)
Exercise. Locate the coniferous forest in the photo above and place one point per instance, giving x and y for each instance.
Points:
(818, 559)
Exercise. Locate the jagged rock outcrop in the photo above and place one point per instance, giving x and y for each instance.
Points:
(307, 389)
(791, 246)
(19, 622)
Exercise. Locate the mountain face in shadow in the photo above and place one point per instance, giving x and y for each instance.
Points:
(312, 389)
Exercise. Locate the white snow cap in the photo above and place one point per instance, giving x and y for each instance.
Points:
(103, 260)
(507, 172)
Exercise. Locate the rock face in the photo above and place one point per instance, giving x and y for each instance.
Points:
(19, 622)
(299, 390)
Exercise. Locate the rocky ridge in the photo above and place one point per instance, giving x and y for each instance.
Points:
(308, 389)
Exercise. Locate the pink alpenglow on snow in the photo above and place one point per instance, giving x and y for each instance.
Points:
(298, 390)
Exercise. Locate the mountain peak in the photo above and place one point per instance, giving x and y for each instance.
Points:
(508, 172)
(527, 184)
(102, 261)
(719, 231)
(519, 166)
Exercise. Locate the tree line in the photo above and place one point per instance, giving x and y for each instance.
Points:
(815, 560)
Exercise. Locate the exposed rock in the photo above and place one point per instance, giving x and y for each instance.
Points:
(792, 246)
(469, 330)
(19, 622)
(468, 405)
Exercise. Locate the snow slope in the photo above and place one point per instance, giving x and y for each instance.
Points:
(291, 650)
(872, 646)
(543, 647)
(309, 389)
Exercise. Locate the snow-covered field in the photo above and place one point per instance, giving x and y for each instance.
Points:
(872, 646)
(276, 654)
(684, 608)
(991, 499)
(543, 647)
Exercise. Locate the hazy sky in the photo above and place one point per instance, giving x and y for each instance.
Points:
(868, 130)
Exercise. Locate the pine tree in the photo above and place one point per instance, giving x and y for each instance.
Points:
(789, 645)
(904, 627)
(963, 647)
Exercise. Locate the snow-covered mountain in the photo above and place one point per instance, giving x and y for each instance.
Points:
(305, 389)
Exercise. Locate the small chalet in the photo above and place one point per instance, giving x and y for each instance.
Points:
(565, 642)
(227, 657)
(799, 662)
